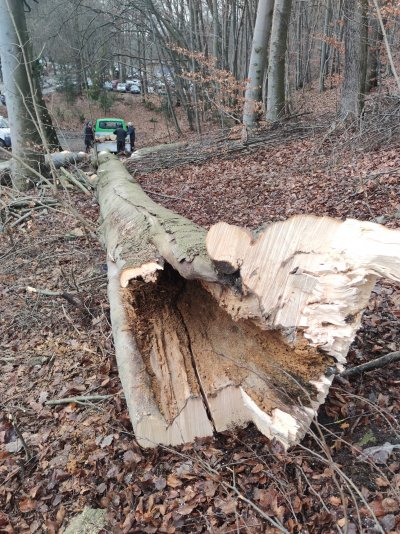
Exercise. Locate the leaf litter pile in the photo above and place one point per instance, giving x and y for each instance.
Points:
(56, 343)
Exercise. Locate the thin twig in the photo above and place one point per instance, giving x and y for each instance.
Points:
(19, 435)
(21, 219)
(74, 181)
(72, 299)
(78, 399)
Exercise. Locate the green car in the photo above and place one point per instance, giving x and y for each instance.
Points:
(107, 126)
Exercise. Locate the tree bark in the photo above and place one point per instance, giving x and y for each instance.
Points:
(215, 330)
(258, 61)
(24, 134)
(355, 61)
(277, 60)
(325, 47)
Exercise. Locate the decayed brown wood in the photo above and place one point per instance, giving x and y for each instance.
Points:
(251, 329)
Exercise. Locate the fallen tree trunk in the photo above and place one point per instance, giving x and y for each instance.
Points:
(58, 159)
(251, 329)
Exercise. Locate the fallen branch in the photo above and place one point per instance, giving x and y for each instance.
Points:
(150, 159)
(30, 202)
(21, 219)
(74, 181)
(371, 366)
(20, 436)
(75, 301)
(57, 159)
(79, 399)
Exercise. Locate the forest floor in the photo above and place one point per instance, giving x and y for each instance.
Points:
(57, 459)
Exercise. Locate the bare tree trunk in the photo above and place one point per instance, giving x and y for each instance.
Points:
(258, 61)
(276, 63)
(45, 117)
(215, 41)
(374, 48)
(325, 47)
(338, 35)
(14, 50)
(355, 62)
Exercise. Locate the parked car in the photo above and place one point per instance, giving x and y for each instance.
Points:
(5, 135)
(114, 84)
(108, 86)
(135, 89)
(121, 87)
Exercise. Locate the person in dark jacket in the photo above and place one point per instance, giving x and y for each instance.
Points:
(132, 135)
(89, 136)
(121, 135)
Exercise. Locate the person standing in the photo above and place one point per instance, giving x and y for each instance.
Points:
(132, 135)
(121, 135)
(89, 136)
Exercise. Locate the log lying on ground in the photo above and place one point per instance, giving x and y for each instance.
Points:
(58, 159)
(62, 159)
(252, 329)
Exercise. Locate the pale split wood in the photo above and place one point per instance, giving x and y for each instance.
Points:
(311, 273)
(252, 331)
(310, 279)
(150, 425)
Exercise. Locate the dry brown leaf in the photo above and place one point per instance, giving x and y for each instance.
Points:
(382, 482)
(390, 505)
(335, 501)
(131, 457)
(27, 505)
(60, 515)
(173, 481)
(258, 468)
(186, 509)
(227, 506)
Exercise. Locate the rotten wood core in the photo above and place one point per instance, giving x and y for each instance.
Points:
(214, 331)
(186, 338)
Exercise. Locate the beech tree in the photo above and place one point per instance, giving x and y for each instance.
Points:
(18, 91)
(258, 60)
(276, 100)
(30, 123)
(355, 58)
